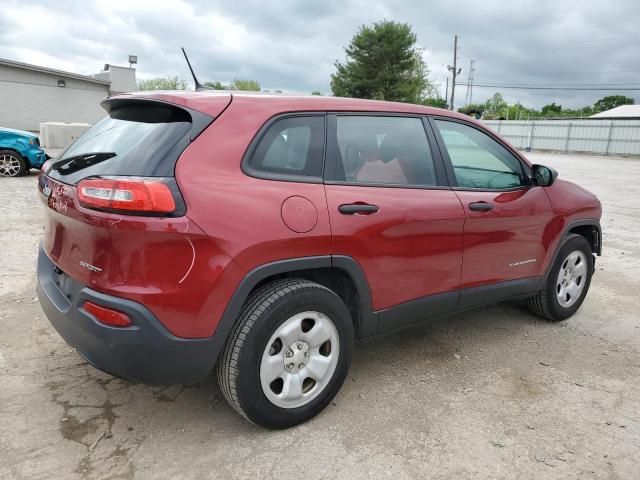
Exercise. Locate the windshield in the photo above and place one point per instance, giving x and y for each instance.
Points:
(133, 140)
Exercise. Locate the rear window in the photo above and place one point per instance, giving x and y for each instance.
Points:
(133, 140)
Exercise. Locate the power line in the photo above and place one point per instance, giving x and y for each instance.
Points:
(524, 87)
(562, 74)
(587, 84)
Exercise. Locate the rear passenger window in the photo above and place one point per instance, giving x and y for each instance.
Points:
(383, 150)
(291, 146)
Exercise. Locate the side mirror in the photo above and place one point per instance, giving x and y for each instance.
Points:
(544, 176)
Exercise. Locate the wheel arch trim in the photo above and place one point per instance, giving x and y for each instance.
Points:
(368, 321)
(592, 222)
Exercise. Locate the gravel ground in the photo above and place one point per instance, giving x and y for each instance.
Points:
(494, 393)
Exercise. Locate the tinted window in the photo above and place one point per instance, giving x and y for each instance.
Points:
(383, 150)
(132, 140)
(291, 146)
(478, 160)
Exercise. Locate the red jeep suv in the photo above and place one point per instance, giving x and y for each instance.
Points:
(260, 236)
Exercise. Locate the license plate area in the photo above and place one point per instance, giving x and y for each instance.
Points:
(67, 286)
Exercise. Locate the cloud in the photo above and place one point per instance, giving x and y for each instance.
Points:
(292, 45)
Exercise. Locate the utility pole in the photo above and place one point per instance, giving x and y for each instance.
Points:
(446, 92)
(454, 69)
(469, 96)
(455, 64)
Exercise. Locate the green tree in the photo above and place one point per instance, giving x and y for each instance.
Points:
(519, 112)
(245, 85)
(551, 110)
(612, 101)
(586, 111)
(473, 109)
(495, 106)
(384, 63)
(159, 83)
(316, 92)
(237, 84)
(437, 102)
(215, 85)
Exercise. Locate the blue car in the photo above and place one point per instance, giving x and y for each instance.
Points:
(19, 152)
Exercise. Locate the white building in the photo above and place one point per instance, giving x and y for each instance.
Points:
(623, 112)
(31, 95)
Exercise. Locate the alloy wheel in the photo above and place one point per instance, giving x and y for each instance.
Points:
(9, 165)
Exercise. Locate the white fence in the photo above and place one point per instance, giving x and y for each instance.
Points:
(61, 135)
(607, 137)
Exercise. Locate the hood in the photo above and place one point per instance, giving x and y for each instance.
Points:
(23, 133)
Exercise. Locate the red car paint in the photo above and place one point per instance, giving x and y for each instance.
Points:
(185, 269)
(512, 231)
(415, 239)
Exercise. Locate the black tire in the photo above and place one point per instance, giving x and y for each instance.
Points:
(238, 368)
(23, 164)
(545, 303)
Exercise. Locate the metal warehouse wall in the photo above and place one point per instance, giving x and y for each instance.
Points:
(28, 98)
(608, 137)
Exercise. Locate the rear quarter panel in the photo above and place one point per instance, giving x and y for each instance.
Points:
(242, 214)
(167, 264)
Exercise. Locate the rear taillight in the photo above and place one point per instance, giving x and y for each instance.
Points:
(108, 316)
(133, 195)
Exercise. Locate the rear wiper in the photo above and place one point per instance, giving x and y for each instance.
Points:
(78, 162)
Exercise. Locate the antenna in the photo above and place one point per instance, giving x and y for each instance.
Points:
(199, 86)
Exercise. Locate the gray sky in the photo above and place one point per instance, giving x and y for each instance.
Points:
(291, 45)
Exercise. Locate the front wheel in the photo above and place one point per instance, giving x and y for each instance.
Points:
(288, 355)
(12, 164)
(568, 281)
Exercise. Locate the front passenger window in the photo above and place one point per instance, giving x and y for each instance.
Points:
(478, 160)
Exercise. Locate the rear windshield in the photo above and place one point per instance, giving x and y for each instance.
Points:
(133, 140)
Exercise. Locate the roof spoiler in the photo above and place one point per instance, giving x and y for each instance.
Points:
(199, 120)
(198, 85)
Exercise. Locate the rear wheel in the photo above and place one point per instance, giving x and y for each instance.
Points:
(12, 164)
(568, 281)
(288, 355)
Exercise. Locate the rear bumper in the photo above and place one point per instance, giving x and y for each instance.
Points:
(144, 352)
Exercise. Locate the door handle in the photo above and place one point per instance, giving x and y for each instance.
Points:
(357, 208)
(481, 206)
